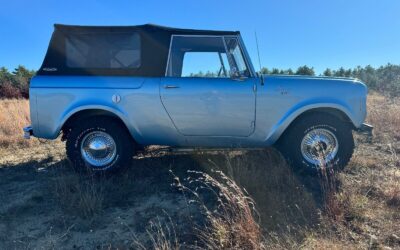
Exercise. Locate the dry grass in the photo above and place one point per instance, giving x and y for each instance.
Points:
(78, 194)
(162, 236)
(230, 222)
(14, 115)
(384, 114)
(366, 203)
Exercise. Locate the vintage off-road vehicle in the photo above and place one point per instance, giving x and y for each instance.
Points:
(112, 90)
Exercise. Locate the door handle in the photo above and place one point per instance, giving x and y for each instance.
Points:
(171, 87)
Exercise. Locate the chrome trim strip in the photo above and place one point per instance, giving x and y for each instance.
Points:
(169, 54)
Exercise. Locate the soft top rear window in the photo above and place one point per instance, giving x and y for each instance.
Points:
(112, 50)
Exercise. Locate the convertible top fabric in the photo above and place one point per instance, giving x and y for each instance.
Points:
(112, 50)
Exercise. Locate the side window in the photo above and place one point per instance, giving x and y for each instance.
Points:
(103, 50)
(205, 64)
(194, 56)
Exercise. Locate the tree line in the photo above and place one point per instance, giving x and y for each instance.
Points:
(15, 84)
(384, 79)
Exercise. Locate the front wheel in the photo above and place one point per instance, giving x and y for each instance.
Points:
(318, 140)
(99, 144)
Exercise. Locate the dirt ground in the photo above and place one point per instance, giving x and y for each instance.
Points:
(43, 199)
(44, 204)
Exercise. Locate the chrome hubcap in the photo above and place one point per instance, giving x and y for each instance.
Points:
(98, 148)
(319, 146)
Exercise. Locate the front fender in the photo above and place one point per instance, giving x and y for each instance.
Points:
(279, 128)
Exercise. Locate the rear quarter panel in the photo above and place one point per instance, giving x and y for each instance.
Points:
(58, 98)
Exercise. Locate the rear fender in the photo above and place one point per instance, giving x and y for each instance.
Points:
(118, 113)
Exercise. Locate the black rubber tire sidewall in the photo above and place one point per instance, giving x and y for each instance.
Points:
(291, 141)
(119, 133)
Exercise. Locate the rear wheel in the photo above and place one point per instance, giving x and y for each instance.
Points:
(318, 140)
(99, 144)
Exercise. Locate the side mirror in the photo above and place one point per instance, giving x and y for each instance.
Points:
(234, 74)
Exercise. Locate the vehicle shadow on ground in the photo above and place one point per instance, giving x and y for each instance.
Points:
(39, 195)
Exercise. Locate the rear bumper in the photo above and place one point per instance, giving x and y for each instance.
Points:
(365, 128)
(28, 132)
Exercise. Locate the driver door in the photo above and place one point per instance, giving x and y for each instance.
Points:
(208, 90)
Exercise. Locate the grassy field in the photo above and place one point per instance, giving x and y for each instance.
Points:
(14, 115)
(178, 200)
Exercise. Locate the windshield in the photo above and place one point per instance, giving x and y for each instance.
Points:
(206, 56)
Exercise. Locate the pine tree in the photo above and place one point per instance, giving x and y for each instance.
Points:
(328, 72)
(305, 70)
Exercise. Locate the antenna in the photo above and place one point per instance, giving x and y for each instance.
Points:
(259, 59)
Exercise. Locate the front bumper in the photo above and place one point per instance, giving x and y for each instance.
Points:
(28, 132)
(365, 128)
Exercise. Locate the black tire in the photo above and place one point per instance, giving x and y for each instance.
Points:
(290, 142)
(122, 138)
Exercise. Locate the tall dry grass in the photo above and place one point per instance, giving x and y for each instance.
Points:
(384, 115)
(14, 115)
(234, 224)
(79, 195)
(230, 220)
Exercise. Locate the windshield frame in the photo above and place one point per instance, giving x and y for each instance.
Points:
(243, 51)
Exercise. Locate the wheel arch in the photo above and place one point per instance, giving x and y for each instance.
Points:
(327, 110)
(86, 112)
(284, 126)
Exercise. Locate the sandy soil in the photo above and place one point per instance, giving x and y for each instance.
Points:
(45, 204)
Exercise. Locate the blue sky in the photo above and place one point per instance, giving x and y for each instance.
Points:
(291, 33)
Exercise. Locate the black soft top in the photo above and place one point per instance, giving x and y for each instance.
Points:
(108, 50)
